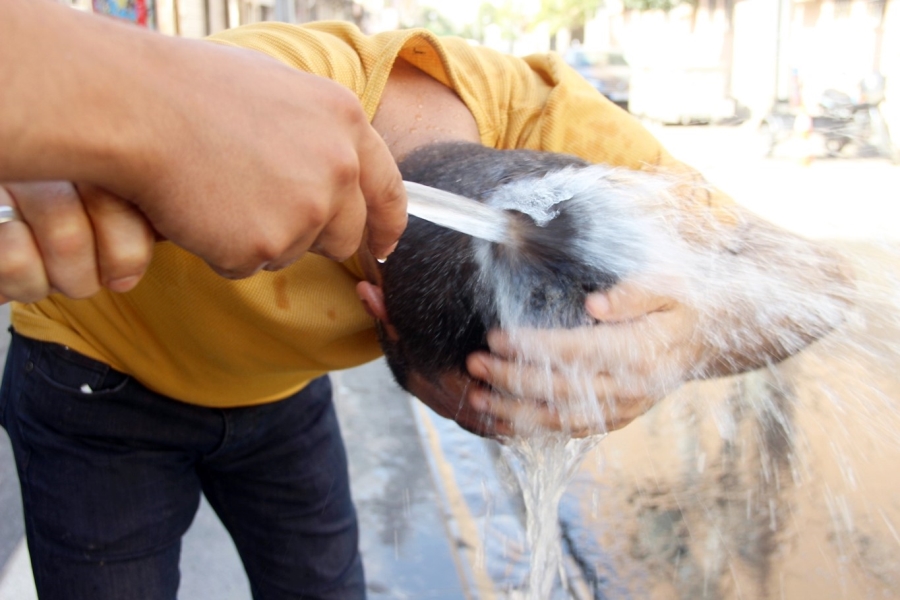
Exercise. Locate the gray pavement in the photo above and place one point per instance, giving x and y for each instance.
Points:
(404, 539)
(818, 197)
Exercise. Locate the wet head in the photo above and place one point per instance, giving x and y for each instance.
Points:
(443, 291)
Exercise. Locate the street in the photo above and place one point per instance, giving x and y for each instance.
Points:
(779, 483)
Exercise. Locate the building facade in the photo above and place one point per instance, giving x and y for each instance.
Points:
(754, 51)
(199, 18)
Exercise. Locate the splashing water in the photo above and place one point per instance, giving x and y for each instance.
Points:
(543, 466)
(743, 293)
(457, 212)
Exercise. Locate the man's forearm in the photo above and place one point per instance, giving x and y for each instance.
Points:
(75, 91)
(228, 153)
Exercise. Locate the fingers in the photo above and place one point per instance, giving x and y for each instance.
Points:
(578, 406)
(71, 241)
(534, 397)
(601, 348)
(380, 211)
(245, 192)
(22, 275)
(61, 231)
(523, 380)
(625, 302)
(483, 423)
(374, 201)
(366, 197)
(658, 340)
(592, 378)
(342, 235)
(123, 237)
(525, 417)
(385, 197)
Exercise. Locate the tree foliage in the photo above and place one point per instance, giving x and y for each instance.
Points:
(568, 13)
(435, 21)
(507, 17)
(665, 5)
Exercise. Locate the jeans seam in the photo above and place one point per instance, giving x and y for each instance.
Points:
(227, 435)
(15, 395)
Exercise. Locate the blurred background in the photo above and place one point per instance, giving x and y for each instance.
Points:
(668, 61)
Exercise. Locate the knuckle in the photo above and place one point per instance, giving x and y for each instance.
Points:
(346, 170)
(32, 294)
(267, 249)
(126, 259)
(17, 265)
(23, 288)
(316, 216)
(43, 196)
(67, 237)
(347, 106)
(387, 199)
(392, 193)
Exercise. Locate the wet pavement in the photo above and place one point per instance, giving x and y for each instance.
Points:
(404, 537)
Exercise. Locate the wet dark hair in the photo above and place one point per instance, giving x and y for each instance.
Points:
(437, 298)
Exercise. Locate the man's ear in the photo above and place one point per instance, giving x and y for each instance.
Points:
(373, 300)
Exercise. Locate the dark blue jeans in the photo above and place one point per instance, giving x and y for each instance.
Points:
(111, 476)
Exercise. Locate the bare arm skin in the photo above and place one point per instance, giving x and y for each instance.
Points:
(246, 176)
(101, 240)
(417, 110)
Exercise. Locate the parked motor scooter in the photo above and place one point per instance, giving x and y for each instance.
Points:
(843, 124)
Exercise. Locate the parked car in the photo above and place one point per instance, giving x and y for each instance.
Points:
(605, 70)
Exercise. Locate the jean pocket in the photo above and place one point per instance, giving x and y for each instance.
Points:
(71, 372)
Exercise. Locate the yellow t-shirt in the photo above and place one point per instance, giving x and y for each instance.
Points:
(191, 335)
